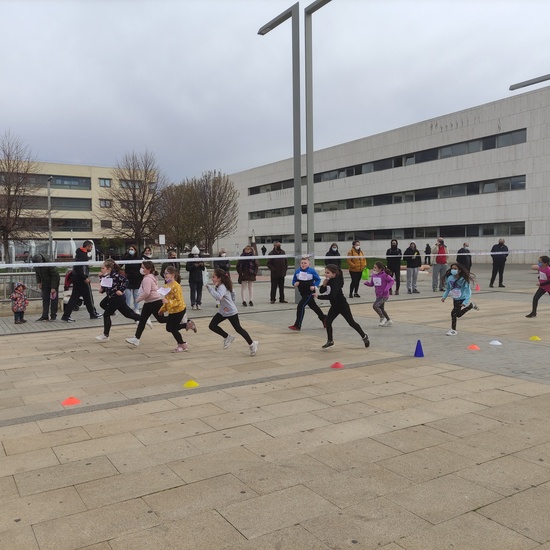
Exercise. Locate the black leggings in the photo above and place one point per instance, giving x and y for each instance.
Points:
(174, 325)
(117, 303)
(345, 311)
(397, 278)
(234, 320)
(458, 311)
(309, 301)
(148, 309)
(538, 294)
(355, 280)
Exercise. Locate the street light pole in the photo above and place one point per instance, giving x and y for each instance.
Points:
(308, 12)
(50, 243)
(293, 13)
(526, 83)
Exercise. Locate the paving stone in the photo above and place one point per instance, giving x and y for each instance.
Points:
(465, 424)
(21, 538)
(43, 441)
(169, 432)
(8, 488)
(265, 514)
(223, 439)
(289, 538)
(25, 462)
(414, 438)
(237, 418)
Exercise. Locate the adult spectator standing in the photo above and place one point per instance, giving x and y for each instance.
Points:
(464, 257)
(224, 263)
(414, 261)
(278, 268)
(393, 259)
(132, 273)
(264, 250)
(196, 280)
(428, 254)
(147, 254)
(439, 267)
(47, 278)
(334, 254)
(356, 263)
(247, 269)
(81, 284)
(171, 256)
(499, 253)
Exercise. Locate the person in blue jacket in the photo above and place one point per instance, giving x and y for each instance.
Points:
(307, 281)
(458, 280)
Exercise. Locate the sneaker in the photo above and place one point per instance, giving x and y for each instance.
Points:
(416, 291)
(102, 338)
(491, 286)
(366, 341)
(23, 320)
(294, 327)
(227, 342)
(245, 304)
(272, 301)
(382, 322)
(134, 341)
(250, 303)
(397, 292)
(501, 286)
(451, 332)
(531, 315)
(191, 326)
(193, 306)
(149, 324)
(329, 344)
(283, 301)
(356, 296)
(68, 319)
(96, 316)
(388, 323)
(474, 306)
(199, 306)
(53, 318)
(253, 348)
(180, 348)
(18, 322)
(42, 319)
(137, 310)
(410, 291)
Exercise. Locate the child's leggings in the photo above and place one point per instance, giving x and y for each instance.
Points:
(379, 307)
(345, 311)
(458, 311)
(234, 320)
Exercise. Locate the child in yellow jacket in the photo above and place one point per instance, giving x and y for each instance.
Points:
(174, 304)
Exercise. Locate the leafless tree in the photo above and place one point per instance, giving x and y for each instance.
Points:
(17, 181)
(135, 195)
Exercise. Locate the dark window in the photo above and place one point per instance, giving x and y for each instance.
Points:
(70, 182)
(397, 162)
(384, 164)
(472, 188)
(380, 200)
(489, 142)
(426, 156)
(426, 194)
(518, 182)
(106, 224)
(519, 136)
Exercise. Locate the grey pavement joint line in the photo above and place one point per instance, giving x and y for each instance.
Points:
(181, 393)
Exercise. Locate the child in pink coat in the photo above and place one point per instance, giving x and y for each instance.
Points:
(382, 281)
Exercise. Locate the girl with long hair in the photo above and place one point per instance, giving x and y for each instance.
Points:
(458, 280)
(222, 291)
(331, 289)
(382, 282)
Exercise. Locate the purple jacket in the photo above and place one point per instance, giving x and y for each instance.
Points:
(382, 282)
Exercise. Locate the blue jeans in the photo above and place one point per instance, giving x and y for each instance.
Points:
(131, 295)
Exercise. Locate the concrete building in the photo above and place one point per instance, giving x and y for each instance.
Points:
(475, 175)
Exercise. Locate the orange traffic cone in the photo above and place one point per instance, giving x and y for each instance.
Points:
(337, 365)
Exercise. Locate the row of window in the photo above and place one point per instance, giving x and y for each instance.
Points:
(499, 185)
(61, 203)
(62, 224)
(409, 233)
(437, 153)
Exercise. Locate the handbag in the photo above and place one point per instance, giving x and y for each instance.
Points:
(366, 274)
(204, 277)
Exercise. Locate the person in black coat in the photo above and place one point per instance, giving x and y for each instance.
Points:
(132, 273)
(334, 254)
(464, 257)
(47, 278)
(499, 253)
(196, 269)
(393, 259)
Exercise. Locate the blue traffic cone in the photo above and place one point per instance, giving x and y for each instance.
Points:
(418, 352)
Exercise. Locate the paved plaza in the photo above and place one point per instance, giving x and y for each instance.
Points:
(280, 451)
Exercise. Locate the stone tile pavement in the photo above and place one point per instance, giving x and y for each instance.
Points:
(279, 451)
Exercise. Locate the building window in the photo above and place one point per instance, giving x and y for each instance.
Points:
(104, 182)
(106, 224)
(105, 203)
(70, 182)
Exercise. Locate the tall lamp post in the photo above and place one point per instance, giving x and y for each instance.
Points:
(308, 12)
(293, 13)
(526, 83)
(50, 243)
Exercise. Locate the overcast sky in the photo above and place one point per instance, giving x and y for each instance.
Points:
(85, 81)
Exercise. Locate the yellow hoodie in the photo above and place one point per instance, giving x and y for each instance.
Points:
(175, 303)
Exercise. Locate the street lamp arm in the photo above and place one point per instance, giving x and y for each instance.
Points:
(317, 5)
(526, 83)
(281, 18)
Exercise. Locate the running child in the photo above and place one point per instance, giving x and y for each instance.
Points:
(113, 284)
(382, 281)
(543, 267)
(174, 304)
(222, 291)
(458, 280)
(331, 289)
(306, 280)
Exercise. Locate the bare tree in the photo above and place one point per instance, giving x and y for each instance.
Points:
(135, 194)
(216, 199)
(17, 172)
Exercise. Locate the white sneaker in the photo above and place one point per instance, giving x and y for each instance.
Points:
(474, 306)
(134, 341)
(193, 307)
(102, 338)
(253, 348)
(388, 323)
(227, 342)
(149, 324)
(382, 322)
(199, 306)
(137, 310)
(451, 332)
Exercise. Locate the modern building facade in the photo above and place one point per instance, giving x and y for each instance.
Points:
(474, 176)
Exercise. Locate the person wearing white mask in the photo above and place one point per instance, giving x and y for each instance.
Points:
(356, 263)
(223, 263)
(131, 272)
(334, 254)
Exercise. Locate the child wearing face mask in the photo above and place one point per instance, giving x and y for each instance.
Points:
(174, 304)
(382, 281)
(356, 262)
(458, 280)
